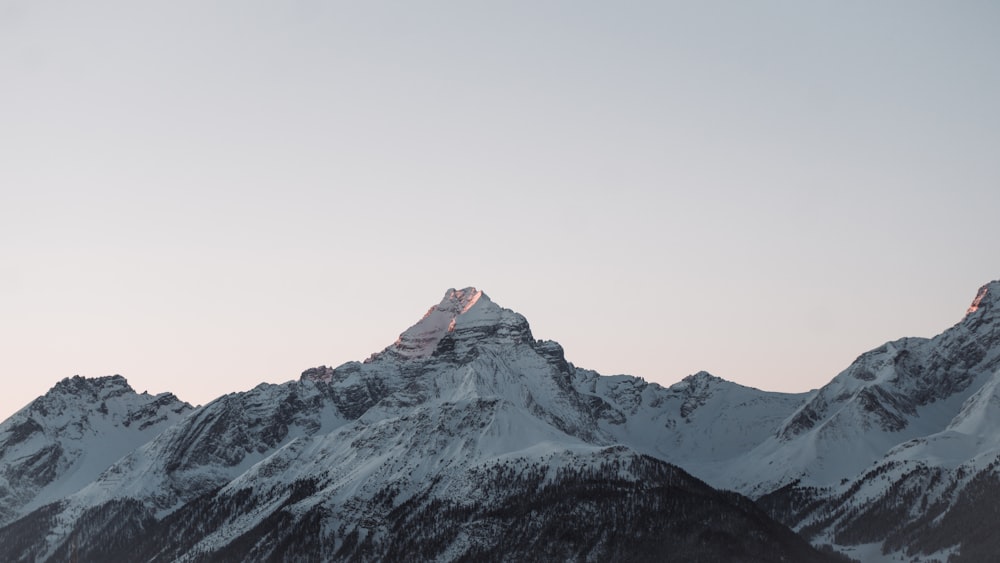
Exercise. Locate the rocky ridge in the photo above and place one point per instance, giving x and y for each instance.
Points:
(62, 441)
(462, 420)
(467, 402)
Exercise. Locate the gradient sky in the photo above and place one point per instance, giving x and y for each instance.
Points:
(202, 196)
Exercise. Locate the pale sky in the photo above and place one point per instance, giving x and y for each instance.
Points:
(202, 196)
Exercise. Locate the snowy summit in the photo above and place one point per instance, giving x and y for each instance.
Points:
(467, 439)
(461, 311)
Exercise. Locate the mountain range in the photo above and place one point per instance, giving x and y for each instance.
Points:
(469, 439)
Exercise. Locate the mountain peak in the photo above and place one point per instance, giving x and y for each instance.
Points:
(699, 381)
(93, 386)
(420, 340)
(702, 376)
(987, 298)
(466, 311)
(462, 299)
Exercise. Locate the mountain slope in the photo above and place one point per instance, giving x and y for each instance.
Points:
(468, 438)
(903, 390)
(64, 439)
(702, 423)
(604, 505)
(445, 443)
(924, 417)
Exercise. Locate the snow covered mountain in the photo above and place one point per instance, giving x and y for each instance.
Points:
(468, 439)
(465, 439)
(900, 452)
(64, 439)
(703, 423)
(903, 390)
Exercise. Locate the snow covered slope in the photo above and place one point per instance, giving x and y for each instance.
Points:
(903, 390)
(902, 450)
(464, 412)
(445, 443)
(64, 439)
(703, 423)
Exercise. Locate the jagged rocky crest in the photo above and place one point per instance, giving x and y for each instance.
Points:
(468, 439)
(63, 440)
(987, 299)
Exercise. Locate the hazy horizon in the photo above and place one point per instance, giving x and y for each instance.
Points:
(202, 198)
